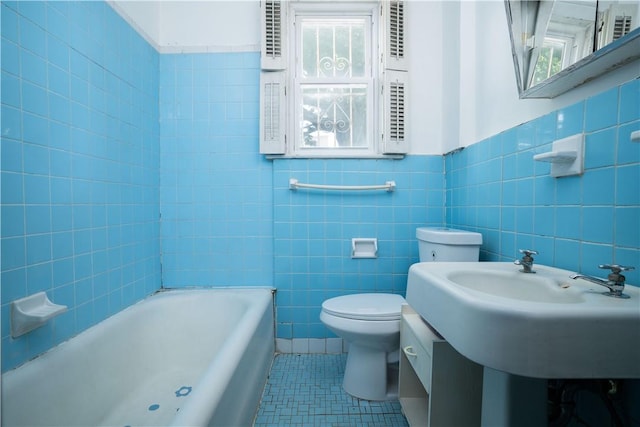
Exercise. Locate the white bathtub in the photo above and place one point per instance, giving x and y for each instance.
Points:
(179, 357)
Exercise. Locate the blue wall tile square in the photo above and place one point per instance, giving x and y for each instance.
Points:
(36, 189)
(599, 187)
(565, 254)
(601, 110)
(12, 188)
(630, 101)
(570, 120)
(569, 190)
(627, 179)
(627, 226)
(597, 224)
(11, 123)
(36, 159)
(39, 250)
(568, 222)
(37, 219)
(12, 221)
(34, 99)
(10, 27)
(600, 148)
(62, 272)
(33, 68)
(32, 37)
(544, 221)
(34, 11)
(10, 90)
(62, 243)
(10, 56)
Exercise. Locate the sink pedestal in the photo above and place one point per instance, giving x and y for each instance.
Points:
(512, 400)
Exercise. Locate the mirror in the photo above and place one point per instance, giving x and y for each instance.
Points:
(558, 45)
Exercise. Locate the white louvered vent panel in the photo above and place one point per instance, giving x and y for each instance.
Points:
(395, 139)
(396, 29)
(621, 26)
(396, 111)
(274, 35)
(273, 29)
(271, 111)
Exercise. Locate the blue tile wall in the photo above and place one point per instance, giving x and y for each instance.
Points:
(80, 166)
(102, 137)
(313, 232)
(216, 189)
(229, 218)
(577, 222)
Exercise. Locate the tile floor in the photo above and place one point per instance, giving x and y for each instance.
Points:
(306, 390)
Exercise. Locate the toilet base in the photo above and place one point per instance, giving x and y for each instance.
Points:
(368, 376)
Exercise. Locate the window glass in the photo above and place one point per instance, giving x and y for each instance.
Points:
(335, 83)
(333, 48)
(334, 116)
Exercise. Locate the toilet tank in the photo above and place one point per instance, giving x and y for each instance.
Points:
(448, 244)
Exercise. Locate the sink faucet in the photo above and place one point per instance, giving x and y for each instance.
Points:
(615, 280)
(527, 260)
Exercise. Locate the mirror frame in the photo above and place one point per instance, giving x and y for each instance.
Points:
(622, 51)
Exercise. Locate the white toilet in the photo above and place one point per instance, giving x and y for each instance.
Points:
(370, 323)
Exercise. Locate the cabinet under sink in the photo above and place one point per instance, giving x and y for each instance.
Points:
(437, 386)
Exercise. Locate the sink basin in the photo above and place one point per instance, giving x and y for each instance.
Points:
(515, 285)
(543, 325)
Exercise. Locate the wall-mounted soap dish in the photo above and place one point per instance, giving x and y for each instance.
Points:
(31, 312)
(566, 156)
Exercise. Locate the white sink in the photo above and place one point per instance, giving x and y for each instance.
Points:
(508, 284)
(543, 325)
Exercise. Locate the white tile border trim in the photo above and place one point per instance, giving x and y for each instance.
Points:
(311, 345)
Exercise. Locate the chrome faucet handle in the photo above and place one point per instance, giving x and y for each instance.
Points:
(527, 260)
(528, 252)
(615, 277)
(615, 268)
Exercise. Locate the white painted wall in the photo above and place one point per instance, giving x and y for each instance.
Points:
(218, 25)
(427, 114)
(463, 86)
(144, 16)
(495, 105)
(195, 26)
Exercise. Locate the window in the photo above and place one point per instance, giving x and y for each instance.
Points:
(334, 82)
(551, 60)
(323, 89)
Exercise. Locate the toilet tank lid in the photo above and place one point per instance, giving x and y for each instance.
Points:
(371, 306)
(450, 236)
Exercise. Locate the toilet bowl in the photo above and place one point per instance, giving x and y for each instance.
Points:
(370, 323)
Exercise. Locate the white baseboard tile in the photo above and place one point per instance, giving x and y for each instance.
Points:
(283, 345)
(300, 345)
(334, 345)
(317, 345)
(311, 345)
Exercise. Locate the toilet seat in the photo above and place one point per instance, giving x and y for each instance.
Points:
(365, 306)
